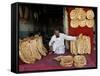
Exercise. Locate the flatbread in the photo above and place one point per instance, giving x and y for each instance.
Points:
(80, 61)
(41, 48)
(73, 14)
(65, 61)
(25, 53)
(80, 43)
(82, 23)
(20, 12)
(74, 23)
(81, 14)
(81, 46)
(58, 58)
(31, 49)
(90, 23)
(90, 14)
(73, 47)
(87, 44)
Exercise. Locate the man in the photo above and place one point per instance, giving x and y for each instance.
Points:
(56, 43)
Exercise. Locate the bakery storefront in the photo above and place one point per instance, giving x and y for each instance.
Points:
(37, 24)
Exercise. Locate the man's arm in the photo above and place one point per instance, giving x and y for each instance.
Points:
(51, 45)
(66, 37)
(51, 42)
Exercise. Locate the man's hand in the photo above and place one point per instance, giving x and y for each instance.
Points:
(51, 50)
(77, 37)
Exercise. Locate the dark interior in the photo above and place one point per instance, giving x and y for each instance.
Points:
(46, 20)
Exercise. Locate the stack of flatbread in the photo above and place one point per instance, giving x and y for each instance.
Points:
(81, 18)
(81, 46)
(31, 49)
(78, 17)
(68, 61)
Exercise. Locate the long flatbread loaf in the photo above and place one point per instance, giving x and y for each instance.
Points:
(40, 47)
(31, 49)
(87, 45)
(73, 47)
(33, 46)
(25, 53)
(81, 46)
(20, 12)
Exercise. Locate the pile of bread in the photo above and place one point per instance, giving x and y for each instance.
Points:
(31, 49)
(80, 17)
(78, 61)
(81, 46)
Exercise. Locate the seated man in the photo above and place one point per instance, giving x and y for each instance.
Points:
(56, 43)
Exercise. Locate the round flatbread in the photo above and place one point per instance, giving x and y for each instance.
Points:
(74, 23)
(82, 23)
(66, 61)
(90, 14)
(80, 61)
(90, 23)
(73, 14)
(81, 14)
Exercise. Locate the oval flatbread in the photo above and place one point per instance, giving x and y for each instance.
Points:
(65, 61)
(73, 14)
(90, 23)
(90, 14)
(74, 23)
